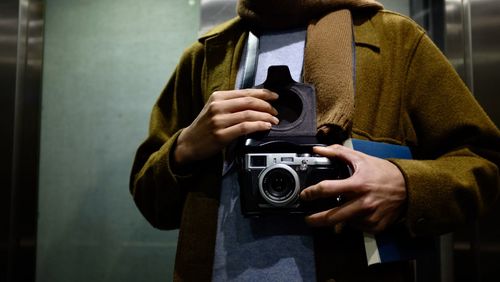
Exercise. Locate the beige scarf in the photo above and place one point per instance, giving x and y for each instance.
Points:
(328, 57)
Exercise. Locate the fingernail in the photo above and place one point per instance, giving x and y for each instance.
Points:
(275, 120)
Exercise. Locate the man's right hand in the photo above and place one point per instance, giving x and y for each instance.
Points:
(226, 116)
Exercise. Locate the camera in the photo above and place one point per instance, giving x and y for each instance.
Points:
(276, 165)
(275, 180)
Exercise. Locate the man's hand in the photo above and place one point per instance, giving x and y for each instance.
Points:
(226, 116)
(374, 196)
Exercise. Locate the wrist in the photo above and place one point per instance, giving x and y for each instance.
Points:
(179, 159)
(181, 150)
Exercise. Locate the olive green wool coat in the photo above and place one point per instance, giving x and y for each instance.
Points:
(406, 93)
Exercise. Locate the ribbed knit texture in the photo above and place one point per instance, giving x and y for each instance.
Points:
(330, 47)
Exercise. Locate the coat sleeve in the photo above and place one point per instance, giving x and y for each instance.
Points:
(158, 190)
(456, 177)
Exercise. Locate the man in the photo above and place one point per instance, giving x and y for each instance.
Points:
(404, 92)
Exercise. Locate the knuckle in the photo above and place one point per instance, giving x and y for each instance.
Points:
(251, 92)
(213, 107)
(358, 182)
(362, 185)
(254, 103)
(337, 146)
(369, 204)
(244, 128)
(216, 95)
(330, 217)
(216, 121)
(219, 136)
(246, 115)
(250, 101)
(319, 189)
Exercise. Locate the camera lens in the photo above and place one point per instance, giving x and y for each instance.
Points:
(279, 185)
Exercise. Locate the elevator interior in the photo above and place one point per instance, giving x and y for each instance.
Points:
(77, 82)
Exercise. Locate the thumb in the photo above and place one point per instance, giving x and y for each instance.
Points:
(343, 153)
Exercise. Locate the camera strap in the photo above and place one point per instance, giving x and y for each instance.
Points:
(251, 60)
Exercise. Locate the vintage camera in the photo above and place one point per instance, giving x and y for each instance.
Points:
(276, 165)
(275, 180)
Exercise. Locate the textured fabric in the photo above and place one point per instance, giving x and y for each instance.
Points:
(328, 65)
(406, 93)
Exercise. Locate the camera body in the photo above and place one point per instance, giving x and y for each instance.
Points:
(276, 165)
(275, 180)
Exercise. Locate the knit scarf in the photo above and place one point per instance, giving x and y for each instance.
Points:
(328, 55)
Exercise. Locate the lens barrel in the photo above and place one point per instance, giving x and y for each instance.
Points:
(279, 185)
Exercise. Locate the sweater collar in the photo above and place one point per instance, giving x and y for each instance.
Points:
(285, 14)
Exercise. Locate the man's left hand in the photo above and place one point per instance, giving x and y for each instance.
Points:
(374, 196)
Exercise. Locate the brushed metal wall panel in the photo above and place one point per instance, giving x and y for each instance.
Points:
(485, 58)
(455, 38)
(485, 46)
(21, 40)
(8, 55)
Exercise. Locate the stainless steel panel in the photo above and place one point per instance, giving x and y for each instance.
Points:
(21, 31)
(485, 57)
(473, 45)
(455, 38)
(8, 54)
(485, 46)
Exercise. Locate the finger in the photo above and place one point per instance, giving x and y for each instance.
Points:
(241, 104)
(263, 94)
(227, 120)
(336, 215)
(322, 219)
(338, 151)
(329, 188)
(228, 134)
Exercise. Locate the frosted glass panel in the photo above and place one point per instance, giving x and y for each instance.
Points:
(105, 63)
